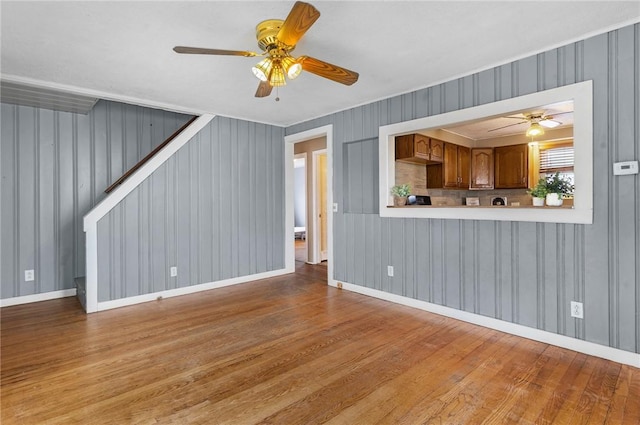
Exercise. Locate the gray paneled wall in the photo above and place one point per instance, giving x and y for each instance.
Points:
(525, 273)
(55, 167)
(214, 210)
(360, 171)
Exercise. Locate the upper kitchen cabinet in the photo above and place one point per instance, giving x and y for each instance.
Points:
(418, 149)
(453, 172)
(482, 168)
(511, 166)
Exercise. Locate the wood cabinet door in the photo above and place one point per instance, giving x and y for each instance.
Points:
(464, 155)
(421, 146)
(482, 168)
(437, 150)
(450, 165)
(511, 166)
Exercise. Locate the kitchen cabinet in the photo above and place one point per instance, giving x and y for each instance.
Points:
(436, 150)
(482, 168)
(511, 165)
(418, 149)
(453, 173)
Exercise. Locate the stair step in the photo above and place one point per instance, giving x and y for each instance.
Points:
(81, 291)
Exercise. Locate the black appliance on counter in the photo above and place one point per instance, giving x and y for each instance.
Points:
(418, 200)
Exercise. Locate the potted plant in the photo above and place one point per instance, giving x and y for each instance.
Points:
(400, 193)
(557, 188)
(539, 192)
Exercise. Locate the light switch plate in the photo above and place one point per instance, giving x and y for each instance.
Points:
(335, 207)
(173, 271)
(626, 167)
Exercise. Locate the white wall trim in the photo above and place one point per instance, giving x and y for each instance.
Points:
(586, 347)
(326, 132)
(114, 198)
(45, 296)
(122, 302)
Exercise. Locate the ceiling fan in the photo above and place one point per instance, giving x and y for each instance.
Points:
(277, 39)
(536, 121)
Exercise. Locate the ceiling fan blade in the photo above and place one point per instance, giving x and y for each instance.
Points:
(264, 89)
(549, 123)
(299, 20)
(201, 51)
(506, 126)
(327, 70)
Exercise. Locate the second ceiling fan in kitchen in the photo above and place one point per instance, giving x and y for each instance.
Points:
(277, 39)
(536, 120)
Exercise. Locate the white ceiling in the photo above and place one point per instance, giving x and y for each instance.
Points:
(123, 50)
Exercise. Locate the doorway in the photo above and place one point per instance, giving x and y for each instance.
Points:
(300, 206)
(324, 252)
(315, 229)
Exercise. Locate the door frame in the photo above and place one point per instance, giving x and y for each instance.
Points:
(326, 132)
(317, 249)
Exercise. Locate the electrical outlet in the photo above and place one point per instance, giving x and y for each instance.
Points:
(174, 271)
(29, 275)
(390, 271)
(576, 310)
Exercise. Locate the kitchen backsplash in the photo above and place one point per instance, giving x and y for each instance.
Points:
(415, 175)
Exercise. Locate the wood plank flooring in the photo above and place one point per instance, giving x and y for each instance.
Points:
(292, 350)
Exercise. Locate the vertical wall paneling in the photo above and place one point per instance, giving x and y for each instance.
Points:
(196, 213)
(636, 184)
(525, 273)
(626, 141)
(55, 167)
(9, 188)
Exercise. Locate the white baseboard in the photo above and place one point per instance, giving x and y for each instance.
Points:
(122, 302)
(26, 299)
(586, 347)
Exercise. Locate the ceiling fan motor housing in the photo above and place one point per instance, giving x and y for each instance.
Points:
(266, 33)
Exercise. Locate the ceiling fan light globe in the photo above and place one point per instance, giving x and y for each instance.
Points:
(262, 69)
(535, 130)
(291, 67)
(276, 79)
(294, 71)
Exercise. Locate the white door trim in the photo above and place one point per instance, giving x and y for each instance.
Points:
(327, 132)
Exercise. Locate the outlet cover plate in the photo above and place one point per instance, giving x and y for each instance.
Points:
(577, 310)
(390, 271)
(29, 275)
(173, 271)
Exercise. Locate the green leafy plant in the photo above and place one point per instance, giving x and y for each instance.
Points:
(539, 190)
(401, 190)
(559, 184)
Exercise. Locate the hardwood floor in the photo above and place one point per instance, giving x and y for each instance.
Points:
(301, 250)
(292, 350)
